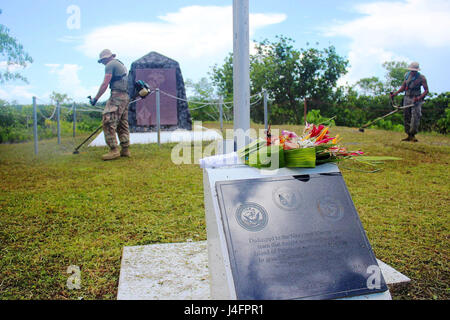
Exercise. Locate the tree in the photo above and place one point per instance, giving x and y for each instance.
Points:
(288, 74)
(222, 78)
(203, 92)
(12, 52)
(291, 75)
(371, 86)
(59, 97)
(395, 74)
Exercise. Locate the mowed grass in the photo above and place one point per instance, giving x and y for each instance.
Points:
(60, 209)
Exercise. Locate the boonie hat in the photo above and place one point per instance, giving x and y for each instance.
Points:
(106, 54)
(414, 66)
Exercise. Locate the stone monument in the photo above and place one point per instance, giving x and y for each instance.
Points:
(163, 73)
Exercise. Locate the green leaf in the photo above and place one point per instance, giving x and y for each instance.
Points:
(378, 158)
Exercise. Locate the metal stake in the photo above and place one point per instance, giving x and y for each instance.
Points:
(74, 107)
(35, 131)
(58, 116)
(221, 113)
(158, 116)
(266, 117)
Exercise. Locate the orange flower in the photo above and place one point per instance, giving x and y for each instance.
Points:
(322, 134)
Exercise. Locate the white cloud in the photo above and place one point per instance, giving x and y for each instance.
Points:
(21, 93)
(67, 81)
(387, 28)
(10, 92)
(191, 34)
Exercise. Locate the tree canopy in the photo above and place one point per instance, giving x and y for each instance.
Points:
(292, 75)
(12, 55)
(288, 74)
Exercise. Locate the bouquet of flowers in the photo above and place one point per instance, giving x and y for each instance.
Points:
(314, 146)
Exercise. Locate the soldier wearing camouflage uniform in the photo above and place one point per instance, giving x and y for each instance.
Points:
(115, 114)
(414, 81)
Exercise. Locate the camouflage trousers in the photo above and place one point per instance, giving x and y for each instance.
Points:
(412, 115)
(115, 119)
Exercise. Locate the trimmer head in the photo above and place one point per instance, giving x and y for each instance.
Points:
(76, 152)
(361, 129)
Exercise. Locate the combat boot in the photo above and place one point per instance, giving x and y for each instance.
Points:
(125, 152)
(111, 155)
(409, 138)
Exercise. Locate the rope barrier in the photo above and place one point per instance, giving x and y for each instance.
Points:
(256, 102)
(43, 101)
(188, 101)
(89, 110)
(51, 117)
(205, 105)
(227, 105)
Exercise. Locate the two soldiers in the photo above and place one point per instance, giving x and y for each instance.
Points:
(115, 114)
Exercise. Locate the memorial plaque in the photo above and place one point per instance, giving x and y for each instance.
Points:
(165, 80)
(296, 237)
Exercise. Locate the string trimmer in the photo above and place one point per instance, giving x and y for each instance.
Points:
(396, 109)
(143, 91)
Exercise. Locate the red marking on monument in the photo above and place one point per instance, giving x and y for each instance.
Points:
(165, 80)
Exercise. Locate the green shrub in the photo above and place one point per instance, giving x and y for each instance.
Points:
(350, 117)
(443, 124)
(388, 125)
(314, 116)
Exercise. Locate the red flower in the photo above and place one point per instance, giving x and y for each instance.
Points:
(316, 130)
(325, 139)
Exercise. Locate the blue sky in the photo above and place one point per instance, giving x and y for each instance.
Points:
(198, 34)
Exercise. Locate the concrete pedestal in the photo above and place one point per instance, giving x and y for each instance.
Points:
(179, 271)
(201, 270)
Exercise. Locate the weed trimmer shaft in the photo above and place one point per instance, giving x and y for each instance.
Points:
(142, 90)
(396, 109)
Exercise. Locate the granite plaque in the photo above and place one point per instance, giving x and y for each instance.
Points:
(165, 80)
(296, 237)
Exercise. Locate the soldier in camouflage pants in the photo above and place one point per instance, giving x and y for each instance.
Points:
(115, 119)
(115, 114)
(412, 117)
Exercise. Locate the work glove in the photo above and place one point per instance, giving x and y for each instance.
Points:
(92, 101)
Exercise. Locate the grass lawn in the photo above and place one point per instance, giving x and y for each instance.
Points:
(60, 209)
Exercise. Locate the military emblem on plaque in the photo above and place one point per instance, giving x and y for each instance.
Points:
(330, 209)
(252, 217)
(287, 198)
